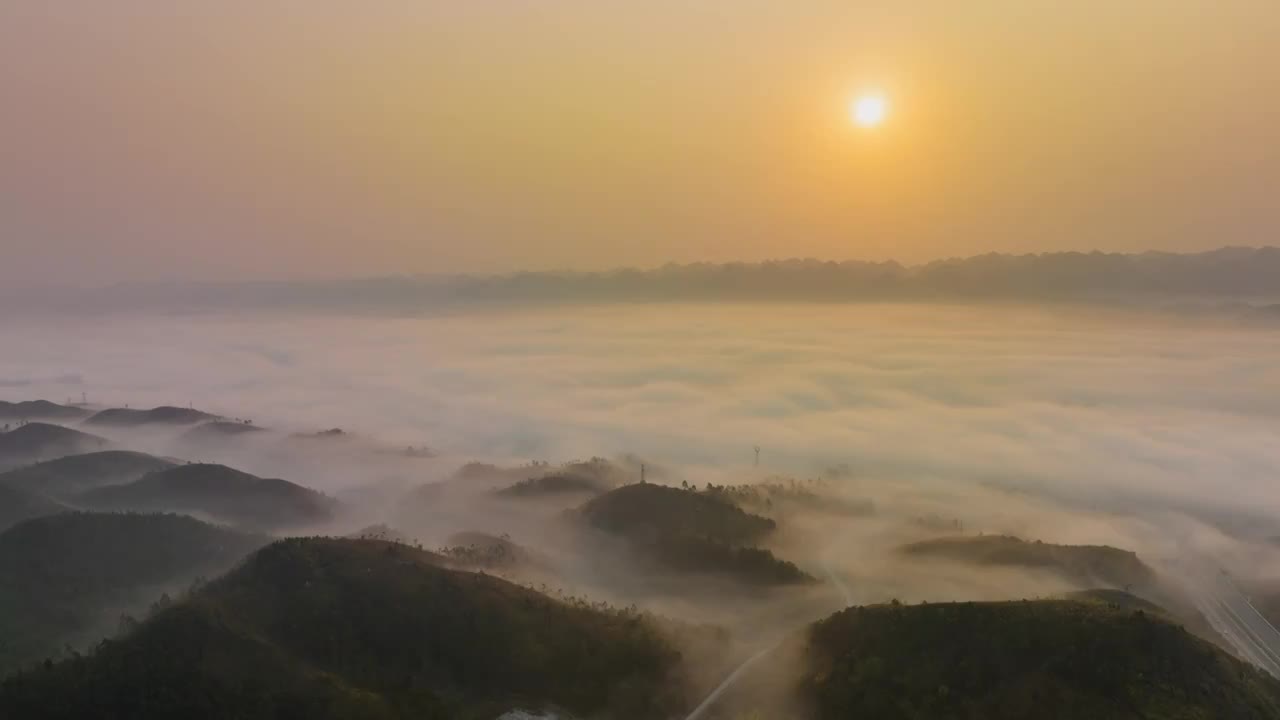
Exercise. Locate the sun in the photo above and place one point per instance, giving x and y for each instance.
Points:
(869, 110)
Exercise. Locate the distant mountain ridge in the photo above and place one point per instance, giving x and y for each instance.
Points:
(1225, 274)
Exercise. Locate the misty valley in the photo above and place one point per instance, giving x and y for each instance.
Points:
(827, 512)
(659, 360)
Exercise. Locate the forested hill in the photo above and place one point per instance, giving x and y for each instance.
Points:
(39, 410)
(644, 510)
(354, 629)
(36, 442)
(67, 476)
(163, 415)
(1087, 565)
(225, 493)
(1046, 659)
(17, 505)
(67, 578)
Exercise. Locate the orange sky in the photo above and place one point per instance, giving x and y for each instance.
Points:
(144, 139)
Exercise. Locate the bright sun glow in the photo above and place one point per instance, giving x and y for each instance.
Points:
(869, 110)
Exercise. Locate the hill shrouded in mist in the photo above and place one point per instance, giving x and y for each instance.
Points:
(1051, 659)
(17, 504)
(36, 442)
(68, 578)
(1084, 565)
(687, 531)
(73, 474)
(362, 629)
(219, 430)
(39, 410)
(220, 492)
(163, 415)
(646, 510)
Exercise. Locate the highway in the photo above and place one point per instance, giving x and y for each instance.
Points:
(1231, 613)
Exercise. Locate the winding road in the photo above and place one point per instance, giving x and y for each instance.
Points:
(738, 672)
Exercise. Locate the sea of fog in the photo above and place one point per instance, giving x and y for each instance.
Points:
(1099, 408)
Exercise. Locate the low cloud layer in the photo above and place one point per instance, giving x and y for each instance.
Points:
(1093, 408)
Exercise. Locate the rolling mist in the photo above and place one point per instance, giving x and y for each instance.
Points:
(877, 426)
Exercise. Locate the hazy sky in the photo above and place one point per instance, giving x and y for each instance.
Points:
(149, 139)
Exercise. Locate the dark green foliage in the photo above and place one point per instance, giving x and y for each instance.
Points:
(34, 442)
(1084, 564)
(645, 511)
(690, 553)
(73, 474)
(1047, 659)
(69, 577)
(231, 496)
(164, 415)
(324, 628)
(17, 505)
(186, 663)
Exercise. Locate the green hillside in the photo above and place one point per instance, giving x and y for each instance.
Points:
(1046, 659)
(68, 577)
(646, 510)
(17, 505)
(227, 494)
(36, 442)
(163, 415)
(67, 476)
(350, 629)
(688, 531)
(38, 410)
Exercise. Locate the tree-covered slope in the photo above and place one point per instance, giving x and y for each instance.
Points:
(163, 415)
(17, 505)
(67, 476)
(645, 510)
(36, 442)
(38, 410)
(687, 531)
(68, 577)
(1049, 659)
(224, 493)
(328, 628)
